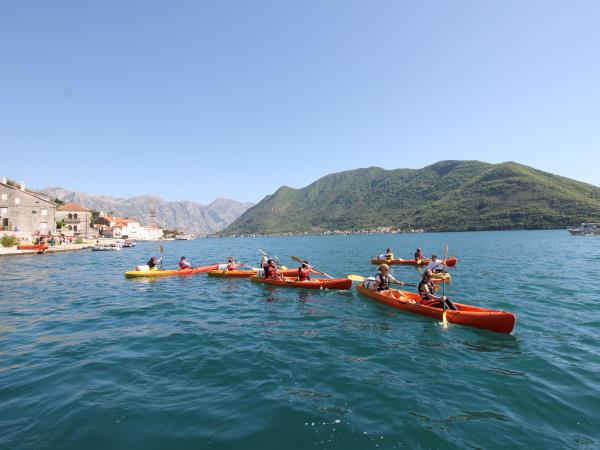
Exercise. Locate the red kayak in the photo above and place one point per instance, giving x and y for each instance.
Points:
(314, 283)
(32, 247)
(450, 262)
(245, 273)
(473, 316)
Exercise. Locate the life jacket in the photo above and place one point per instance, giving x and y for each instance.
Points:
(421, 289)
(232, 266)
(270, 272)
(303, 274)
(389, 256)
(184, 265)
(383, 283)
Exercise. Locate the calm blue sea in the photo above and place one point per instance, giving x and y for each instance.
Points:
(89, 359)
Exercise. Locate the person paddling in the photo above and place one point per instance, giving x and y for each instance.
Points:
(184, 263)
(435, 266)
(153, 262)
(419, 255)
(305, 270)
(384, 278)
(232, 264)
(272, 272)
(426, 291)
(389, 255)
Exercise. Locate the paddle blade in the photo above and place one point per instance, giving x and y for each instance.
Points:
(162, 249)
(444, 320)
(356, 277)
(297, 259)
(262, 252)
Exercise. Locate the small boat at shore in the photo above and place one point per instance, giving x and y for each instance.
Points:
(473, 316)
(450, 262)
(314, 283)
(106, 248)
(586, 229)
(163, 273)
(38, 247)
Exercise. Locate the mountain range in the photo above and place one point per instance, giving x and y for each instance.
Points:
(189, 216)
(445, 196)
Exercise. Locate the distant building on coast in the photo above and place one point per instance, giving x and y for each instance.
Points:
(76, 219)
(25, 211)
(119, 227)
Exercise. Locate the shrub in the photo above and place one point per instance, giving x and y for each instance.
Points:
(79, 241)
(9, 241)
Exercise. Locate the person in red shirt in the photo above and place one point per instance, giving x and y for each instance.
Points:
(184, 263)
(304, 271)
(272, 272)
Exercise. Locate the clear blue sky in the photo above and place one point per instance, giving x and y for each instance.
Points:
(196, 99)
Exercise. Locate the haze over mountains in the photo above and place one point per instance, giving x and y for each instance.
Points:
(189, 216)
(445, 196)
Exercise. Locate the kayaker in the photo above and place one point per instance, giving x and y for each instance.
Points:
(271, 271)
(426, 290)
(232, 264)
(184, 263)
(264, 261)
(419, 255)
(304, 271)
(153, 262)
(384, 278)
(389, 255)
(435, 265)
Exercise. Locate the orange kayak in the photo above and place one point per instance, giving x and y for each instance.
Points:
(32, 247)
(473, 316)
(246, 273)
(450, 262)
(315, 283)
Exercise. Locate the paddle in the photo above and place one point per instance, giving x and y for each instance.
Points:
(361, 278)
(444, 318)
(162, 250)
(300, 260)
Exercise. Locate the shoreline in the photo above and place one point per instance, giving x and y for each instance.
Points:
(13, 251)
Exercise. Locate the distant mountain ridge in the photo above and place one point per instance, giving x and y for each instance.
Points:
(189, 216)
(445, 196)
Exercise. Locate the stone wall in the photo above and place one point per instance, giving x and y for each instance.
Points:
(25, 212)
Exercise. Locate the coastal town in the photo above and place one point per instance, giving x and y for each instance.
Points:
(28, 218)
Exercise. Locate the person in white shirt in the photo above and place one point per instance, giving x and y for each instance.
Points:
(436, 266)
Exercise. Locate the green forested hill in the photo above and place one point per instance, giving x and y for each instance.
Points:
(446, 196)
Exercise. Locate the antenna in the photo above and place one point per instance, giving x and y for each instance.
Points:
(153, 217)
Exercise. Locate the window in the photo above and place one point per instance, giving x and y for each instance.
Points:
(75, 216)
(4, 211)
(70, 216)
(70, 228)
(74, 227)
(44, 212)
(4, 197)
(17, 200)
(44, 225)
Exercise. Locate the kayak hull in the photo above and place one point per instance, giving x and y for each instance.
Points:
(450, 262)
(343, 284)
(164, 273)
(245, 273)
(473, 316)
(32, 247)
(442, 278)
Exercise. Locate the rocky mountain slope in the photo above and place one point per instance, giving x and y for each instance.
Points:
(184, 215)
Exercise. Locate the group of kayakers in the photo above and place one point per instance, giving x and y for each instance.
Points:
(383, 279)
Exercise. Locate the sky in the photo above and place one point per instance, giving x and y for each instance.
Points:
(192, 100)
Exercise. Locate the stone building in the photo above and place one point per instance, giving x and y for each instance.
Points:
(76, 220)
(24, 211)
